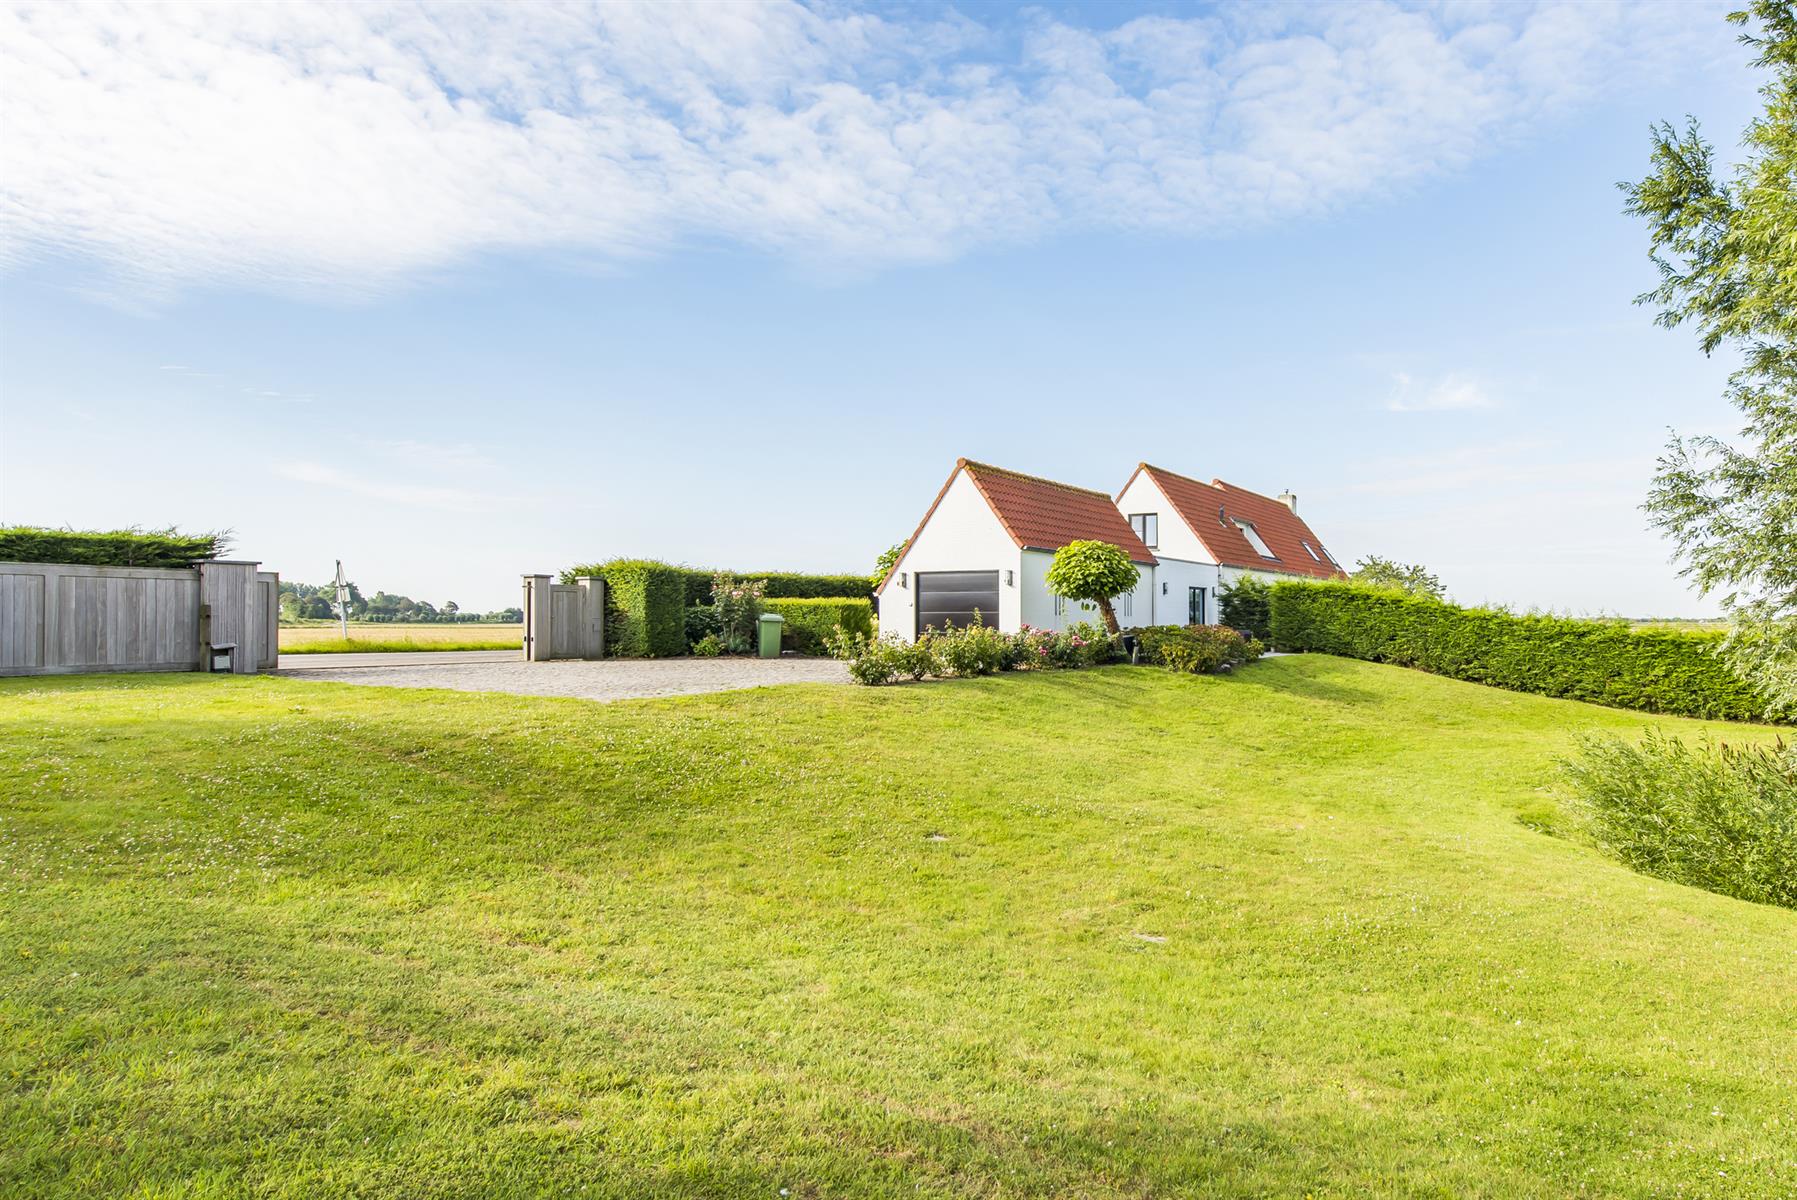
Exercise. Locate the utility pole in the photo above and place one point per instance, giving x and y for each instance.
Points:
(342, 602)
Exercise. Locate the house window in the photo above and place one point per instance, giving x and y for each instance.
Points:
(1254, 539)
(1124, 605)
(1147, 527)
(1309, 551)
(1196, 609)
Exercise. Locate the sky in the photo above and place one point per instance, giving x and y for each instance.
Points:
(457, 294)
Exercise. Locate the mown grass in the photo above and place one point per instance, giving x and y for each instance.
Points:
(381, 637)
(1101, 933)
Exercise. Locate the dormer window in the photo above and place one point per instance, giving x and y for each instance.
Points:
(1254, 539)
(1147, 527)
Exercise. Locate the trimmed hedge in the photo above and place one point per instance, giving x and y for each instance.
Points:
(1664, 671)
(810, 621)
(786, 585)
(781, 585)
(115, 548)
(645, 608)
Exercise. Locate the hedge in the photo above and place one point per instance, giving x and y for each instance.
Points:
(1602, 662)
(645, 608)
(116, 548)
(809, 621)
(783, 585)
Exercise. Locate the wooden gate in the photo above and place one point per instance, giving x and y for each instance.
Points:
(563, 620)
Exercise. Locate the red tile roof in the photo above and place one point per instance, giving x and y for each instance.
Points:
(1041, 514)
(1211, 509)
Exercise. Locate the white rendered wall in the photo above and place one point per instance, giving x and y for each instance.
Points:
(1176, 538)
(962, 535)
(1039, 602)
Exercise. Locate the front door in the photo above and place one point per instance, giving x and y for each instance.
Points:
(1197, 612)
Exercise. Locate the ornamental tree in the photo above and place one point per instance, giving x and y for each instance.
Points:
(1726, 247)
(1095, 572)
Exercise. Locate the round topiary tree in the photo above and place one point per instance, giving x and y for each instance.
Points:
(1094, 571)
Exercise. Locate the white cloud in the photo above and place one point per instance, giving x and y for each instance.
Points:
(352, 147)
(374, 486)
(1450, 393)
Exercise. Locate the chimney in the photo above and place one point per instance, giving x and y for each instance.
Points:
(1290, 501)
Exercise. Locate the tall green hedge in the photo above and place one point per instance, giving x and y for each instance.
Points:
(114, 548)
(786, 585)
(1603, 662)
(781, 585)
(645, 607)
(809, 621)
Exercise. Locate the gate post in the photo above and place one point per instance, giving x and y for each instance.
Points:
(592, 616)
(539, 610)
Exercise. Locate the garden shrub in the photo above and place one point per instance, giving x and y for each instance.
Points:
(708, 646)
(645, 607)
(1601, 662)
(1247, 604)
(701, 623)
(968, 651)
(1722, 818)
(1196, 649)
(115, 548)
(738, 605)
(809, 621)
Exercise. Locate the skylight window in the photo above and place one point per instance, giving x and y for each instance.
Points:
(1307, 549)
(1254, 539)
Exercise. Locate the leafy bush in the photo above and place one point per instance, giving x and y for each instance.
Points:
(969, 651)
(871, 660)
(809, 622)
(701, 623)
(738, 605)
(645, 607)
(1247, 604)
(1196, 649)
(117, 548)
(1089, 645)
(708, 646)
(1602, 662)
(1722, 818)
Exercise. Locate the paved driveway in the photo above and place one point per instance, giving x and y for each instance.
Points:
(608, 679)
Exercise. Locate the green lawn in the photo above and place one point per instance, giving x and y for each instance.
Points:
(370, 637)
(1103, 933)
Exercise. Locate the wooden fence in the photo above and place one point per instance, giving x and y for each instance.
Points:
(563, 620)
(61, 618)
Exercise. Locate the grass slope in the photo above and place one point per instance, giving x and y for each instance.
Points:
(369, 637)
(260, 936)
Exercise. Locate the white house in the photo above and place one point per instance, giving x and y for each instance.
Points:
(1207, 535)
(981, 552)
(984, 547)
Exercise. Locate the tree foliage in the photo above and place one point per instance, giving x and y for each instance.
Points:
(1095, 572)
(1726, 249)
(888, 559)
(1247, 604)
(1373, 571)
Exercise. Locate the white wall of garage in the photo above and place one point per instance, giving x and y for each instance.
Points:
(963, 534)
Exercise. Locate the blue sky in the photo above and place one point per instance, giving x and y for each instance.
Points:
(459, 294)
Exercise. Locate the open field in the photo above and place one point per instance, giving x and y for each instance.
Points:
(1301, 931)
(379, 637)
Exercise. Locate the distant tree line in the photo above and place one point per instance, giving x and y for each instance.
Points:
(318, 602)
